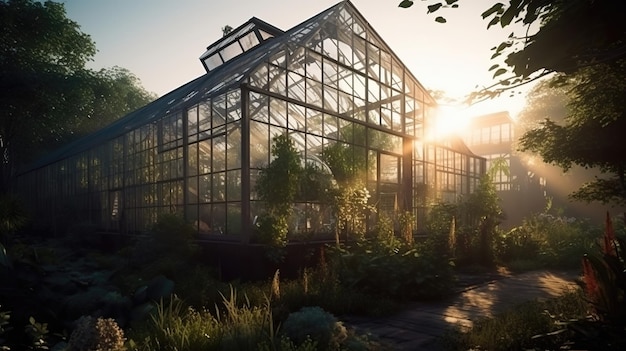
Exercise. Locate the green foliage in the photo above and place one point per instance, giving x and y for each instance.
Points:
(548, 242)
(589, 136)
(169, 249)
(407, 221)
(48, 96)
(13, 216)
(316, 324)
(5, 317)
(514, 329)
(277, 186)
(175, 327)
(467, 231)
(561, 44)
(395, 272)
(96, 334)
(350, 203)
(38, 333)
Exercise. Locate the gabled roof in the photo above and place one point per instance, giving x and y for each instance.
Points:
(229, 74)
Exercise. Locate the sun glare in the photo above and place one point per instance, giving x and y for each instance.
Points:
(449, 120)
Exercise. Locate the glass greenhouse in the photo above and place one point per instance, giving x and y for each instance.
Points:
(330, 82)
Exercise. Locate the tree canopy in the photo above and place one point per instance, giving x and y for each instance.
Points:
(47, 96)
(571, 35)
(590, 134)
(584, 43)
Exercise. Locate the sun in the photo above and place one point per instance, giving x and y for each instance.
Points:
(449, 120)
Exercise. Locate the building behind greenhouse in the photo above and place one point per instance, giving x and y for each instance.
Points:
(330, 81)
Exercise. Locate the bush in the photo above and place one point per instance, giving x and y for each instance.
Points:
(96, 335)
(316, 324)
(550, 241)
(400, 273)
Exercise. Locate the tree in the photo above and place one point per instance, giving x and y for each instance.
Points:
(47, 96)
(591, 134)
(572, 35)
(277, 187)
(584, 42)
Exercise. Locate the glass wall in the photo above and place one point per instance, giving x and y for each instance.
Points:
(331, 84)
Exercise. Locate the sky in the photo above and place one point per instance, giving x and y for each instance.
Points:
(160, 41)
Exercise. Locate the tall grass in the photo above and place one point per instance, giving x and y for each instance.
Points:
(514, 329)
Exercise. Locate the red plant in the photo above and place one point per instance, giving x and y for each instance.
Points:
(604, 277)
(592, 289)
(609, 237)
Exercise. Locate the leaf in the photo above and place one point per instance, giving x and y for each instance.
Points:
(406, 4)
(510, 13)
(494, 67)
(440, 19)
(450, 2)
(497, 8)
(434, 7)
(495, 20)
(499, 72)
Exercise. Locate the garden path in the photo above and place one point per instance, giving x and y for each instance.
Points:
(418, 326)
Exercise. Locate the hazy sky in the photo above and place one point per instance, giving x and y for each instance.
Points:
(160, 40)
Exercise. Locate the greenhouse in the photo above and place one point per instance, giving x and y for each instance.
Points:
(330, 84)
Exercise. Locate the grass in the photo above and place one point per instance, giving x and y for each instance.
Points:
(515, 328)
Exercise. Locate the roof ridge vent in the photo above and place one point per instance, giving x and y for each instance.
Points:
(238, 41)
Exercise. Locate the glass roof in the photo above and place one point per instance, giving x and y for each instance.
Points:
(258, 42)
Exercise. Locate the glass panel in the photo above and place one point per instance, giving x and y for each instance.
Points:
(203, 188)
(204, 156)
(234, 148)
(296, 117)
(314, 121)
(193, 159)
(314, 66)
(330, 73)
(219, 153)
(259, 77)
(389, 170)
(213, 61)
(249, 41)
(218, 219)
(219, 111)
(259, 144)
(231, 51)
(278, 80)
(192, 190)
(234, 219)
(278, 112)
(296, 89)
(314, 93)
(331, 99)
(234, 185)
(259, 107)
(372, 165)
(219, 186)
(204, 119)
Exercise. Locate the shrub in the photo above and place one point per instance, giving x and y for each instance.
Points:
(554, 242)
(96, 335)
(316, 324)
(400, 273)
